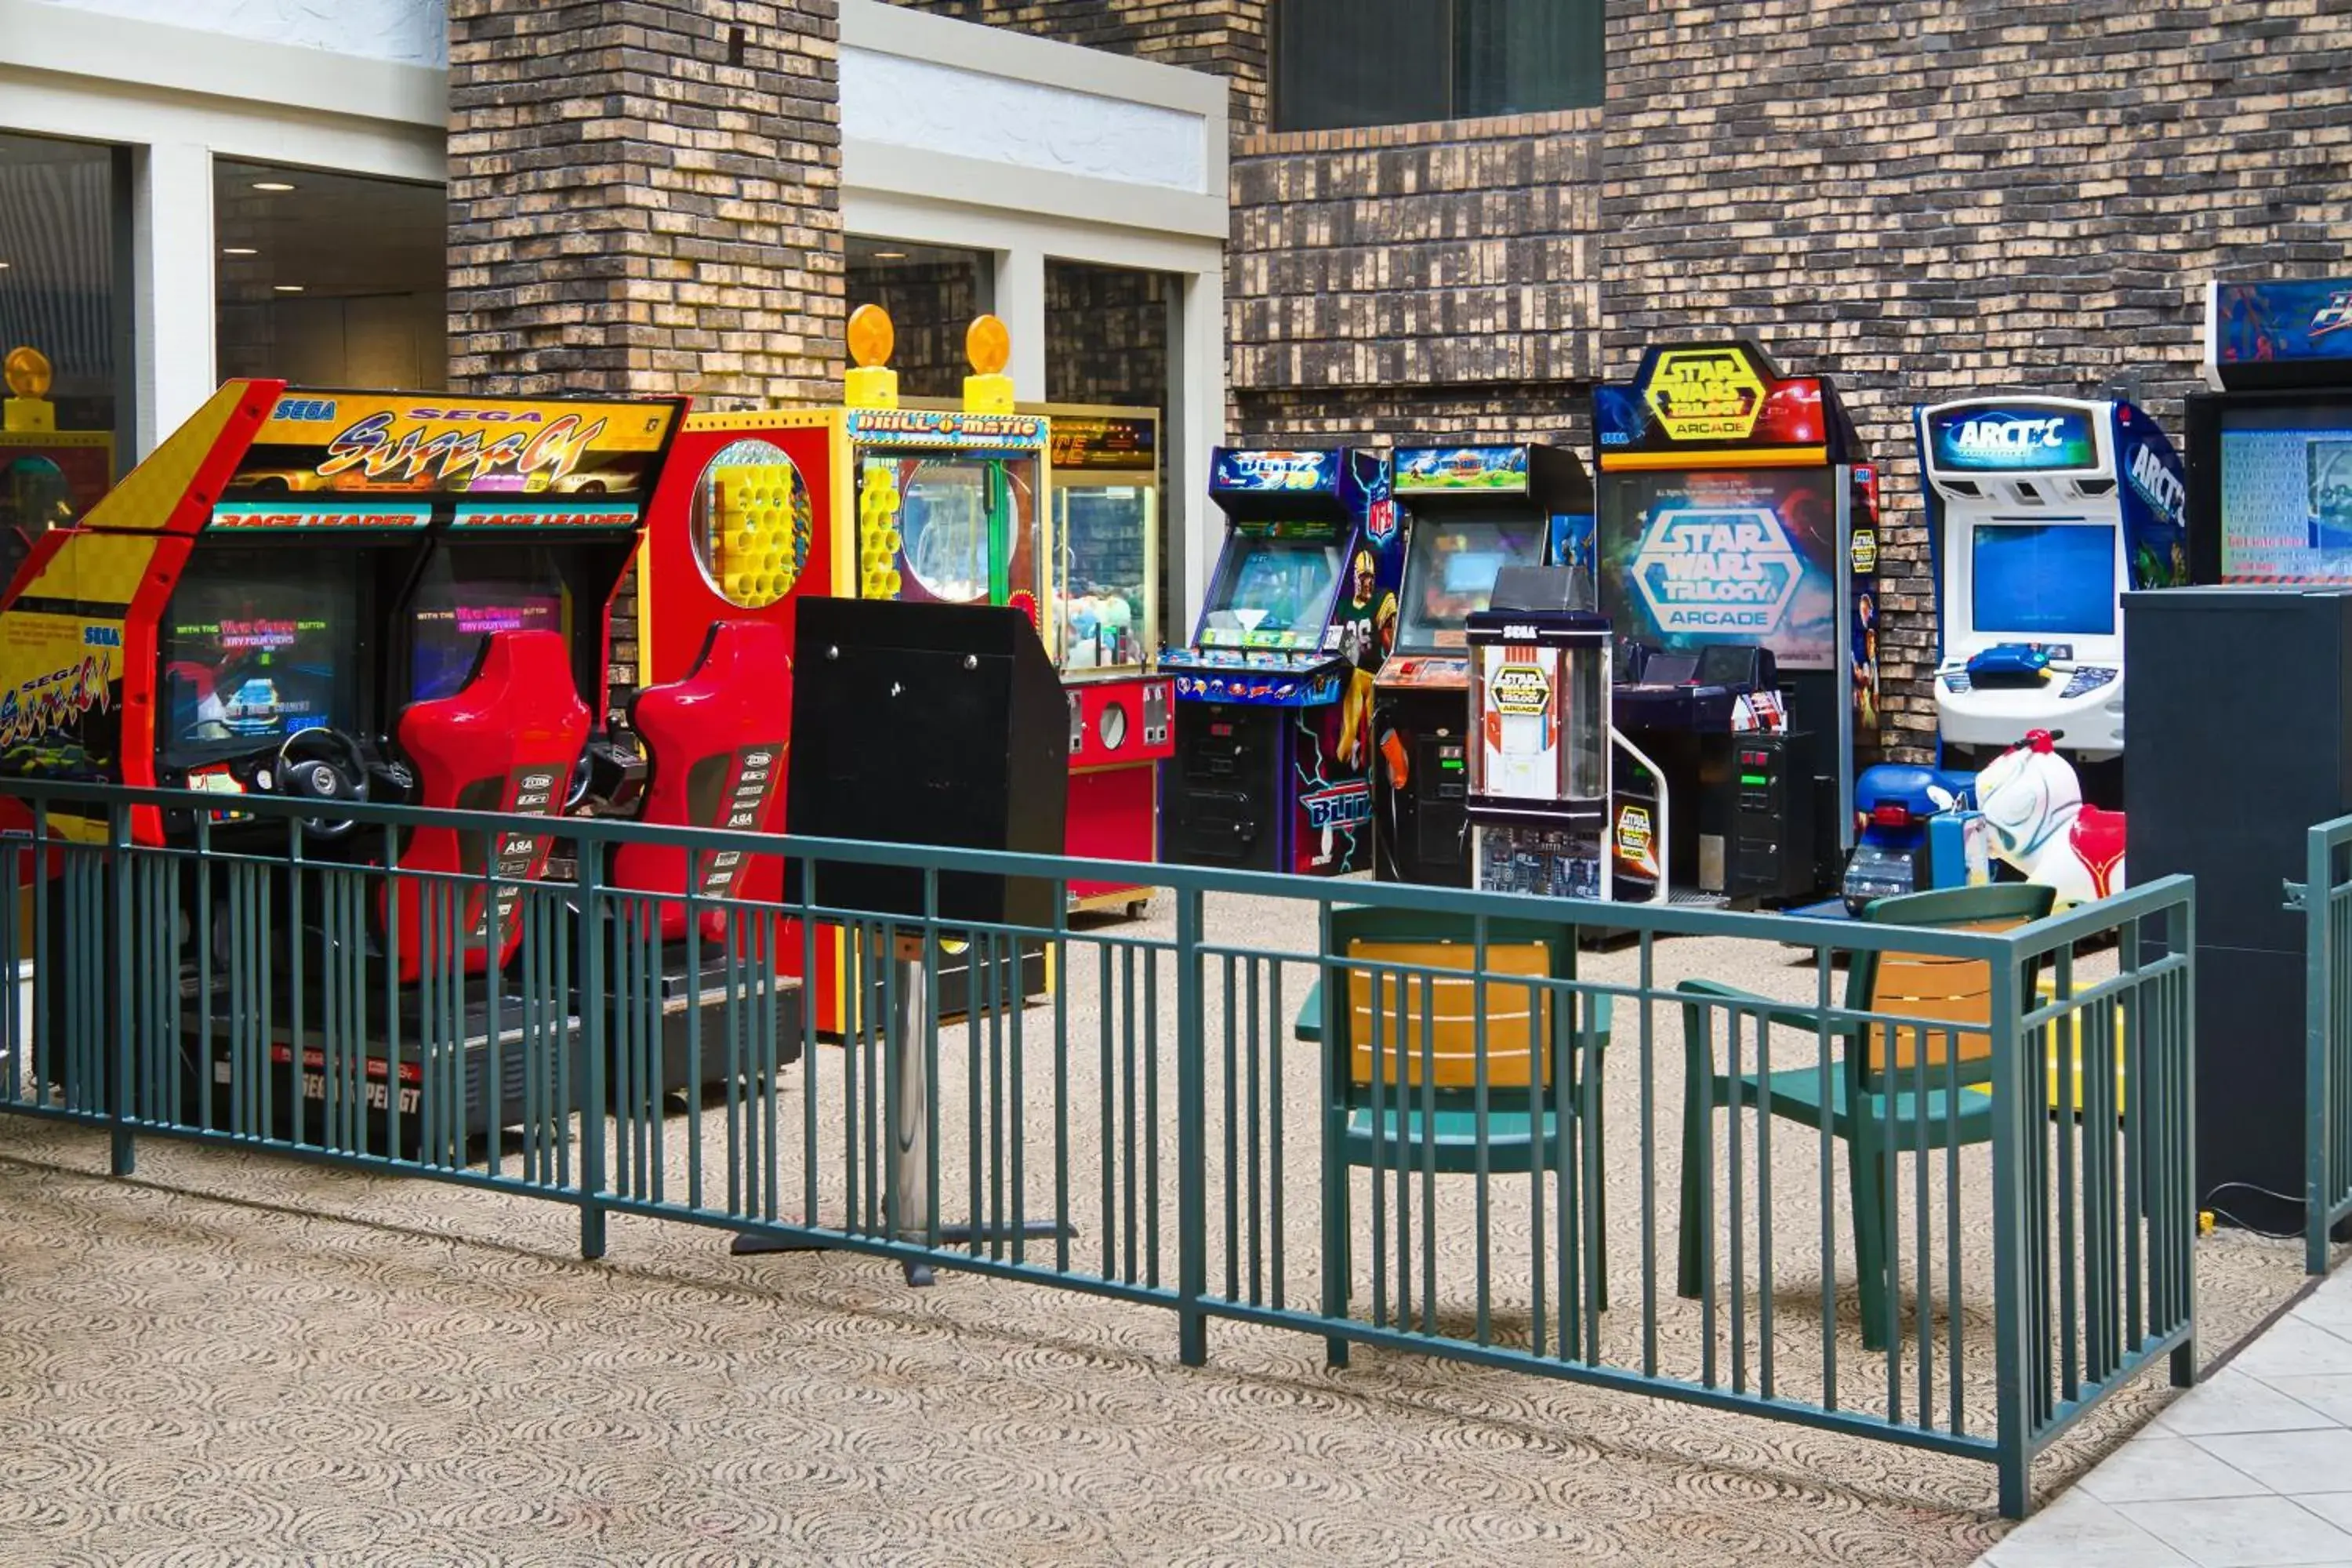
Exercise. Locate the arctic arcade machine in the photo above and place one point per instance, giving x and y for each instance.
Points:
(2041, 512)
(2241, 706)
(1470, 512)
(1737, 550)
(332, 597)
(1273, 695)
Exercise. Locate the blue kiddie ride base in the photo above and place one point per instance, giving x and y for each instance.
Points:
(1911, 838)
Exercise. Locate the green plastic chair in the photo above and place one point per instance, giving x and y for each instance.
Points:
(1957, 1106)
(1378, 1122)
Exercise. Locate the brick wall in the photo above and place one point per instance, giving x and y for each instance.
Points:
(1435, 279)
(1936, 198)
(930, 305)
(645, 196)
(1226, 37)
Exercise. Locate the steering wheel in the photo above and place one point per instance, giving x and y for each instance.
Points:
(340, 776)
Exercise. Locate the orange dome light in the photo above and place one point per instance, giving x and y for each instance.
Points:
(871, 337)
(871, 383)
(27, 372)
(987, 345)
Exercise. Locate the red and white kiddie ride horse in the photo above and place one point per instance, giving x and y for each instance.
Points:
(2033, 805)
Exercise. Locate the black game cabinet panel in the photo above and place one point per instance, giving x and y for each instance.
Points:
(2235, 746)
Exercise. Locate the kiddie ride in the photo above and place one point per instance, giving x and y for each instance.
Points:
(339, 597)
(1274, 697)
(2042, 512)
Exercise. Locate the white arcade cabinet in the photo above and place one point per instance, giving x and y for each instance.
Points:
(2042, 512)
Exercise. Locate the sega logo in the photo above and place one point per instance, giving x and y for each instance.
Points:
(101, 636)
(305, 408)
(1341, 805)
(483, 416)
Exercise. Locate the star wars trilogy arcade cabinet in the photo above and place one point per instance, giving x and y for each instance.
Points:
(2242, 713)
(339, 597)
(1737, 550)
(1274, 696)
(1470, 512)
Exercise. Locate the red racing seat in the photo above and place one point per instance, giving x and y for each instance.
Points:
(715, 744)
(507, 741)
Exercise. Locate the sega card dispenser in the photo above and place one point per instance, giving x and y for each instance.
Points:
(1540, 685)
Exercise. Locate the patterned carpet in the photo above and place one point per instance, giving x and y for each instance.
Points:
(194, 1371)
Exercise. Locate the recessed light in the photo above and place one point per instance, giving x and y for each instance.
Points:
(271, 185)
(5, 265)
(287, 287)
(239, 250)
(889, 255)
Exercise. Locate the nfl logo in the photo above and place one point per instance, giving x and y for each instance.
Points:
(1382, 522)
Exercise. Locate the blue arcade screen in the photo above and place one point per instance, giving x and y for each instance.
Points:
(2043, 579)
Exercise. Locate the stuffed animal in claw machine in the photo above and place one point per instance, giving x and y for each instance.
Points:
(2032, 804)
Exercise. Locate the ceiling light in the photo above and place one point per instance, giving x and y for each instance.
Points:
(5, 266)
(889, 255)
(287, 287)
(239, 250)
(271, 185)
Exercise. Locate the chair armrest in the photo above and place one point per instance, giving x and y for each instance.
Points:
(1784, 1013)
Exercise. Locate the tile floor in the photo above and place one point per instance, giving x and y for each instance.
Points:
(2253, 1469)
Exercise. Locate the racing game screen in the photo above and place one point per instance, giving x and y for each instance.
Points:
(258, 646)
(1272, 593)
(2042, 579)
(2286, 494)
(1450, 573)
(469, 592)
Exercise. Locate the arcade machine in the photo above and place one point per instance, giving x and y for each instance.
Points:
(1540, 769)
(2241, 706)
(1470, 513)
(1274, 696)
(1104, 482)
(1737, 550)
(48, 476)
(2042, 511)
(870, 500)
(332, 597)
(1105, 488)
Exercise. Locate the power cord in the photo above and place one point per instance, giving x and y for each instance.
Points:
(2209, 1211)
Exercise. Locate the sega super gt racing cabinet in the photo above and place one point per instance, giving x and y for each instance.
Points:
(334, 598)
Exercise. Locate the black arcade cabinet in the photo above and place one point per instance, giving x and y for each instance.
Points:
(1471, 513)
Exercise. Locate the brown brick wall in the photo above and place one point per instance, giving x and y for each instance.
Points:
(1936, 198)
(1226, 37)
(645, 197)
(640, 202)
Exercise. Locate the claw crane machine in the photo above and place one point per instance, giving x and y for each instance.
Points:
(48, 476)
(1103, 490)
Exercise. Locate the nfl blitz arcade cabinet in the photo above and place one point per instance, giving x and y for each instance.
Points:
(1470, 513)
(1737, 550)
(2241, 716)
(339, 597)
(1274, 697)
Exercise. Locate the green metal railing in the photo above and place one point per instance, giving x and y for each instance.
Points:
(2326, 898)
(1527, 1165)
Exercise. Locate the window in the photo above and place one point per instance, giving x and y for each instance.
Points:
(331, 280)
(64, 237)
(1342, 63)
(932, 293)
